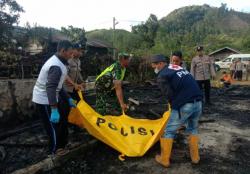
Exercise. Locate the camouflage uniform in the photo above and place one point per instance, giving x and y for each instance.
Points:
(106, 100)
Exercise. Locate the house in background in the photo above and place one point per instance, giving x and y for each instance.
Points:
(223, 53)
(97, 57)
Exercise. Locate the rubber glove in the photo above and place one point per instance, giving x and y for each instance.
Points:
(72, 103)
(54, 116)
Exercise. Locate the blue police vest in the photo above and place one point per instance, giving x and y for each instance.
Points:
(181, 88)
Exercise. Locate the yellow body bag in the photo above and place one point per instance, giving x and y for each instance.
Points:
(131, 137)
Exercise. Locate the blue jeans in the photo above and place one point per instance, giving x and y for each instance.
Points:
(190, 113)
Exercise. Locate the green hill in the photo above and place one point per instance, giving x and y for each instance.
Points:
(183, 29)
(210, 26)
(123, 40)
(223, 19)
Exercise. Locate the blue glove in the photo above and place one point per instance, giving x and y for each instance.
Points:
(54, 116)
(72, 103)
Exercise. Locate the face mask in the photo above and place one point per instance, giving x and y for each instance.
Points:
(156, 71)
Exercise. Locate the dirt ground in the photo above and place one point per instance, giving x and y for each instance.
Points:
(224, 146)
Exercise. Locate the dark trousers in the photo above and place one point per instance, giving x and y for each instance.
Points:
(57, 132)
(239, 75)
(205, 84)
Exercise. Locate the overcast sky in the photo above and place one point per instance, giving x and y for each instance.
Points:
(98, 14)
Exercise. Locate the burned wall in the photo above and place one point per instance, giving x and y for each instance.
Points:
(15, 102)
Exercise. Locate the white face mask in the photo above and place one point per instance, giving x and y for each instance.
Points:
(156, 71)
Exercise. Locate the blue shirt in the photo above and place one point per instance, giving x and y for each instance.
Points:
(178, 85)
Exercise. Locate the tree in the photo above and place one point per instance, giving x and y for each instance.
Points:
(75, 34)
(246, 43)
(9, 15)
(223, 10)
(148, 30)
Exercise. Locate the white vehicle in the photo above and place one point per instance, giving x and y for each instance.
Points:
(225, 63)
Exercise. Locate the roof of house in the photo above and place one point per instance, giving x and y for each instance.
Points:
(57, 37)
(224, 48)
(98, 43)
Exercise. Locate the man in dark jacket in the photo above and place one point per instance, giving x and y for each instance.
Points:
(185, 98)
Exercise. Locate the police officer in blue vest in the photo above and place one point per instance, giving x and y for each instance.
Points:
(185, 98)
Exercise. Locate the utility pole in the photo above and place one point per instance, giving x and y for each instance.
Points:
(114, 24)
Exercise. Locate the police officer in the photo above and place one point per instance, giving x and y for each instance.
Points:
(74, 80)
(109, 94)
(202, 69)
(48, 93)
(185, 96)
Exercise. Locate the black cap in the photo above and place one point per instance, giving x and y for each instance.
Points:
(64, 44)
(158, 58)
(79, 46)
(178, 54)
(199, 48)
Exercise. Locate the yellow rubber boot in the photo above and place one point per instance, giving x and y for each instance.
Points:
(194, 149)
(166, 147)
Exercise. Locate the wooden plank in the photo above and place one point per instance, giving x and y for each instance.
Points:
(55, 161)
(134, 101)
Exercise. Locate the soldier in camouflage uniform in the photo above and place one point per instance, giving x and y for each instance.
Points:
(109, 94)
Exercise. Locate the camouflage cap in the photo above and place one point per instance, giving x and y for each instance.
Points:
(123, 54)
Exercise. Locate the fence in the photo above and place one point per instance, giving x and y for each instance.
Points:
(19, 71)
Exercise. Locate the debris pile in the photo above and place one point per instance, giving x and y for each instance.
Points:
(224, 147)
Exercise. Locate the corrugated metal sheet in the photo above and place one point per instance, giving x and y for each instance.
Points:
(225, 48)
(98, 43)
